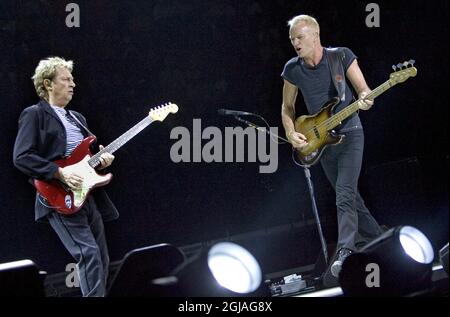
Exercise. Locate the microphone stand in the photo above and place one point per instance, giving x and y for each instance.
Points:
(316, 212)
(308, 181)
(252, 125)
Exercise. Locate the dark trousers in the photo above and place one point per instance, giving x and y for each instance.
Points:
(83, 235)
(342, 166)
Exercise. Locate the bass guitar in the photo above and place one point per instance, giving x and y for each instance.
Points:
(318, 128)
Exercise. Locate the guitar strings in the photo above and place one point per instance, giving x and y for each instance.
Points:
(329, 120)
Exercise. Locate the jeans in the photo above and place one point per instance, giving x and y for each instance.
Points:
(342, 166)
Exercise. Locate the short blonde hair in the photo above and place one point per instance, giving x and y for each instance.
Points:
(308, 20)
(46, 69)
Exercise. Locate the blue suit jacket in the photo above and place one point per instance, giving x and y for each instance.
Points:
(41, 139)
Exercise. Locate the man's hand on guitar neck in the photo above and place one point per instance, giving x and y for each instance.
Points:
(105, 159)
(297, 139)
(365, 104)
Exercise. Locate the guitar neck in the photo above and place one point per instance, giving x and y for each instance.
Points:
(94, 161)
(337, 118)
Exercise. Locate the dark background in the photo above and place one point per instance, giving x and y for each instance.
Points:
(204, 55)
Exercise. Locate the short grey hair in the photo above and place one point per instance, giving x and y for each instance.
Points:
(46, 69)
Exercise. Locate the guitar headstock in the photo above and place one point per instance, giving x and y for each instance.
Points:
(161, 112)
(402, 72)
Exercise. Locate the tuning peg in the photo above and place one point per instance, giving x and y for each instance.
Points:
(399, 65)
(406, 64)
(412, 62)
(394, 68)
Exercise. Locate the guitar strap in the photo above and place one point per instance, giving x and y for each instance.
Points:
(70, 113)
(335, 57)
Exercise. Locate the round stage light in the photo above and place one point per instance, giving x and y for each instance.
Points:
(416, 245)
(234, 267)
(396, 263)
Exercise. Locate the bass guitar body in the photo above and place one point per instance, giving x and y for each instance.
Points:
(318, 133)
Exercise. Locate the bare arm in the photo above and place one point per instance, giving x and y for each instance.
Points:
(358, 81)
(290, 92)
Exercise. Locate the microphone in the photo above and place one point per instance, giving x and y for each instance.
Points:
(226, 112)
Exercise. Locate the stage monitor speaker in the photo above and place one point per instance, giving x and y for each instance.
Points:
(140, 266)
(20, 279)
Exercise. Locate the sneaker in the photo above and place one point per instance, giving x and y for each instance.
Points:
(337, 265)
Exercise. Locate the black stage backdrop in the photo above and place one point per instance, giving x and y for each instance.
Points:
(206, 55)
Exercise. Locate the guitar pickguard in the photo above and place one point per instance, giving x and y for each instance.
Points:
(90, 180)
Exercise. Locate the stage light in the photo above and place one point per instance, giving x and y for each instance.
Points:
(397, 263)
(234, 267)
(416, 245)
(443, 257)
(225, 269)
(21, 279)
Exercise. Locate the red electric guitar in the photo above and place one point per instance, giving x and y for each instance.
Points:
(67, 201)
